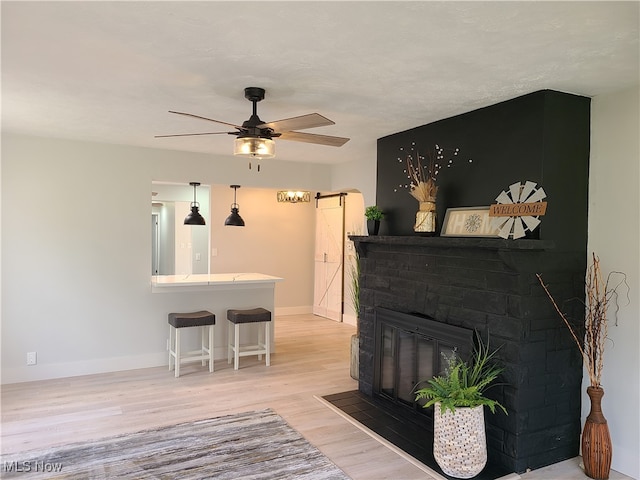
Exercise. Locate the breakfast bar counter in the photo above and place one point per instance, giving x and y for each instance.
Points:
(220, 281)
(217, 293)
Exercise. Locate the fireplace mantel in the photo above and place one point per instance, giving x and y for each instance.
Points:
(455, 242)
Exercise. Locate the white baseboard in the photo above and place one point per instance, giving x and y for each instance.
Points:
(85, 367)
(350, 319)
(293, 310)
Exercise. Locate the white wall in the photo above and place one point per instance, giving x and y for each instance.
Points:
(359, 175)
(277, 236)
(76, 273)
(354, 225)
(614, 235)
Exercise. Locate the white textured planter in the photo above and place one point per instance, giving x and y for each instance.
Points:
(459, 441)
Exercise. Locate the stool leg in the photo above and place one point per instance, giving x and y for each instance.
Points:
(203, 331)
(260, 341)
(211, 348)
(177, 352)
(170, 348)
(236, 357)
(267, 342)
(229, 333)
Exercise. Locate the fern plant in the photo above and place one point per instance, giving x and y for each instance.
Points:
(464, 383)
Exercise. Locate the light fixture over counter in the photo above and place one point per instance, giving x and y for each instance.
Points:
(194, 217)
(294, 196)
(234, 220)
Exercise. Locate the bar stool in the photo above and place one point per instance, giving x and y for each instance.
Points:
(178, 321)
(263, 347)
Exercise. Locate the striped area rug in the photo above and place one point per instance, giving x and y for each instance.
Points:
(254, 445)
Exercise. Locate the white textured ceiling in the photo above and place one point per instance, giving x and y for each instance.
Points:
(110, 71)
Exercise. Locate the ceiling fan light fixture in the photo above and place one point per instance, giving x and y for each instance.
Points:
(254, 147)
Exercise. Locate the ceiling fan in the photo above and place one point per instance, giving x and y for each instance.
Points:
(255, 137)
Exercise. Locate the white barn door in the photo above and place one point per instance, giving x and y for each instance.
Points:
(329, 254)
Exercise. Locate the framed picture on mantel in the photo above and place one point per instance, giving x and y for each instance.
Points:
(468, 222)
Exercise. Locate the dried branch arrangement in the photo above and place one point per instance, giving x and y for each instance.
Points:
(599, 295)
(422, 176)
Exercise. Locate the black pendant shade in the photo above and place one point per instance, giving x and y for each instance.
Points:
(234, 220)
(194, 217)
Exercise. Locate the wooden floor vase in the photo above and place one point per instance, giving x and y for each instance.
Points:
(596, 441)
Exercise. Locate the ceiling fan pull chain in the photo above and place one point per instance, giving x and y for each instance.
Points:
(250, 165)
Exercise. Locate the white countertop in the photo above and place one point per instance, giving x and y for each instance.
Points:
(213, 279)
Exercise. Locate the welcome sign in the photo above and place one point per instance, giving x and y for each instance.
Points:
(518, 210)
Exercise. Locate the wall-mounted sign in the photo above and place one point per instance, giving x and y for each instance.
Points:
(518, 210)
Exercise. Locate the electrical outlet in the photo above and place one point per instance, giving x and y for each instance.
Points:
(32, 358)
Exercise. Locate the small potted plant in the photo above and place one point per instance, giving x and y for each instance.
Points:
(373, 215)
(459, 439)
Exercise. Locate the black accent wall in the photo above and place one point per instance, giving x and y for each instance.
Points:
(489, 284)
(541, 137)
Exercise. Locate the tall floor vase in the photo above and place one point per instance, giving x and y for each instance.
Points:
(596, 441)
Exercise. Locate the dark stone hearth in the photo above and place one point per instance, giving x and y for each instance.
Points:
(391, 423)
(490, 285)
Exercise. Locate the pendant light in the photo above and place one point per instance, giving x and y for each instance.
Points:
(194, 217)
(234, 219)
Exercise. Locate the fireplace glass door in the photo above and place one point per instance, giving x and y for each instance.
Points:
(408, 354)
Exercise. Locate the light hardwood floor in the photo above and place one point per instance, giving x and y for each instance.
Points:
(312, 360)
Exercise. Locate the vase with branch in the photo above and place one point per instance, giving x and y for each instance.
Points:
(422, 172)
(600, 294)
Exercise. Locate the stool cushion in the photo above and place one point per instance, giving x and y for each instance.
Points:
(193, 319)
(249, 316)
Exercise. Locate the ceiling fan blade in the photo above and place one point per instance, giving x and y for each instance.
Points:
(296, 123)
(193, 134)
(314, 138)
(205, 118)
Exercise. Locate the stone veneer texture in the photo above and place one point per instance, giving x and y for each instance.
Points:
(490, 285)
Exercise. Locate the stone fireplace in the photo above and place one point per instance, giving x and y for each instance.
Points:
(488, 285)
